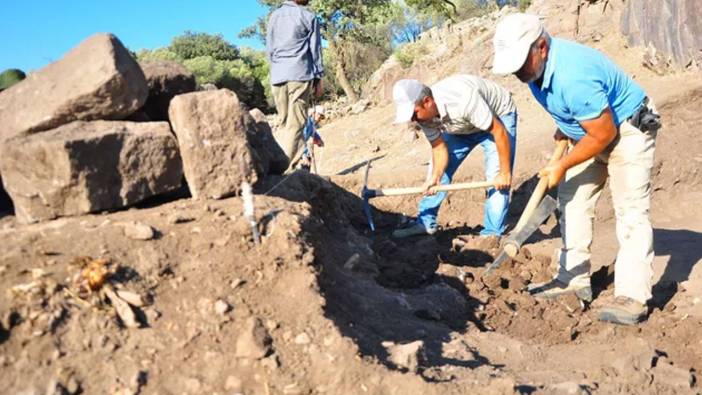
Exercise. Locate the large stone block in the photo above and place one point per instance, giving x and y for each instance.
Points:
(84, 167)
(218, 142)
(166, 79)
(98, 79)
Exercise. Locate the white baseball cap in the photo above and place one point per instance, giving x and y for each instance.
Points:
(405, 93)
(513, 38)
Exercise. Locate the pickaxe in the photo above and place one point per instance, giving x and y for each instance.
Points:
(368, 194)
(538, 208)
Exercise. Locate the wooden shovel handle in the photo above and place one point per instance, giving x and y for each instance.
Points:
(541, 187)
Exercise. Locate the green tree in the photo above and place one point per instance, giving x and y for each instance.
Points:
(214, 60)
(345, 24)
(455, 10)
(10, 77)
(192, 45)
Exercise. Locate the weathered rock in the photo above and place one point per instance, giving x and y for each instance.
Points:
(139, 231)
(302, 339)
(407, 356)
(254, 341)
(275, 155)
(85, 167)
(567, 388)
(360, 106)
(98, 79)
(218, 143)
(166, 79)
(673, 27)
(221, 307)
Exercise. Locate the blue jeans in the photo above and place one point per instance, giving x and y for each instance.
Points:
(459, 146)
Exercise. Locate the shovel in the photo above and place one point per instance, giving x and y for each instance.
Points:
(537, 209)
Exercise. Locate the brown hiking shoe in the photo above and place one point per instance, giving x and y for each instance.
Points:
(624, 311)
(556, 288)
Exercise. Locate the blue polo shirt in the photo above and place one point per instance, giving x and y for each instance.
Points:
(579, 83)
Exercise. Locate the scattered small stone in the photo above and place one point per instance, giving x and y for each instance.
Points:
(236, 283)
(254, 341)
(221, 307)
(271, 325)
(569, 388)
(125, 313)
(73, 385)
(292, 389)
(139, 231)
(302, 339)
(407, 356)
(271, 362)
(180, 219)
(352, 261)
(132, 298)
(3, 269)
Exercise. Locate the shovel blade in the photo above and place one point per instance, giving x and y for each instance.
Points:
(543, 210)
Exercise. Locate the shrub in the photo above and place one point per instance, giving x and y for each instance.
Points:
(10, 77)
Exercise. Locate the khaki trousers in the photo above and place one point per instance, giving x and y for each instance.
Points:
(628, 161)
(292, 101)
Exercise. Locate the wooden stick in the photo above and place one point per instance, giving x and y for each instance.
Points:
(438, 188)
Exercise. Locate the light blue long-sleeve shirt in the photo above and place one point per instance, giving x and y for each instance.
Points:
(293, 44)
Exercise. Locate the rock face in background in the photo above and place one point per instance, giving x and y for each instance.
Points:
(165, 80)
(213, 132)
(269, 147)
(98, 79)
(673, 27)
(85, 167)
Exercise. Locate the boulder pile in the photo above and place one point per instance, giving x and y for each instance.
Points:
(97, 131)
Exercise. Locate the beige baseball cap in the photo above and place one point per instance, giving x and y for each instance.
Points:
(405, 94)
(513, 38)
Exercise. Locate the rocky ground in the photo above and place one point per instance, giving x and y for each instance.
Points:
(176, 296)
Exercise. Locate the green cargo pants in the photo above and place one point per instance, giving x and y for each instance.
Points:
(292, 101)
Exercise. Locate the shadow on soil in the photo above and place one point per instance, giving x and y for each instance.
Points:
(382, 292)
(683, 248)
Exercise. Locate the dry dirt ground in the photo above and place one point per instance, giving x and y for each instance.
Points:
(322, 305)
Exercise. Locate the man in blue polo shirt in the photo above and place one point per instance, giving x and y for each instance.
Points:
(612, 127)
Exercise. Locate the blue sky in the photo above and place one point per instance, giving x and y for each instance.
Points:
(37, 32)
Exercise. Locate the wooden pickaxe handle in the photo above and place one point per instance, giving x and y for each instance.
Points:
(541, 187)
(418, 190)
